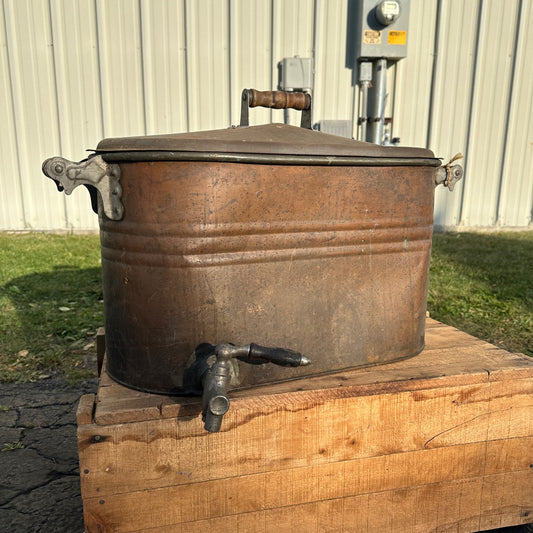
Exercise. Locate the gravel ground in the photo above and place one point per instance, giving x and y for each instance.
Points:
(40, 489)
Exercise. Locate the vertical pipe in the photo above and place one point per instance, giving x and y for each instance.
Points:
(363, 119)
(436, 74)
(365, 77)
(377, 118)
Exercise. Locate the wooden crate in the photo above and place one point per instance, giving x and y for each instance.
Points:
(439, 442)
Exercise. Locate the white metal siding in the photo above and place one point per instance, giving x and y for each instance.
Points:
(334, 91)
(79, 105)
(451, 96)
(11, 208)
(73, 72)
(250, 59)
(489, 110)
(515, 203)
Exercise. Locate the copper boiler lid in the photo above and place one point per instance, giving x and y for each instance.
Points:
(277, 143)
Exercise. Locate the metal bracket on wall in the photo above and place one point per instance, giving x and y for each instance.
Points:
(95, 174)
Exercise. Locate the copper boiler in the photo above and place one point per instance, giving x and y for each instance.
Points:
(274, 235)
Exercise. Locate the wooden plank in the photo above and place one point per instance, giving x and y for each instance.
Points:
(85, 410)
(282, 432)
(432, 323)
(439, 335)
(472, 363)
(439, 442)
(119, 404)
(511, 506)
(100, 348)
(451, 358)
(458, 505)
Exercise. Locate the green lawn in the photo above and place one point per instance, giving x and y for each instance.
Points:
(50, 305)
(482, 283)
(51, 299)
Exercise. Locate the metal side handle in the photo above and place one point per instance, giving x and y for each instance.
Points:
(95, 174)
(449, 174)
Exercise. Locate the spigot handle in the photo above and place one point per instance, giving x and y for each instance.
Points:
(278, 356)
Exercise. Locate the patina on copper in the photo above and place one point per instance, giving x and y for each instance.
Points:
(273, 235)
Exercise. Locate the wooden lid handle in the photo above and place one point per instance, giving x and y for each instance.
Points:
(276, 100)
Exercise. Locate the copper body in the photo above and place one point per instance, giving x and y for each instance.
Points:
(328, 261)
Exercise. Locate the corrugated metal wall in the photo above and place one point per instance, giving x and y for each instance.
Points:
(75, 71)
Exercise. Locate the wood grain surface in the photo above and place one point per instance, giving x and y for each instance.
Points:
(439, 442)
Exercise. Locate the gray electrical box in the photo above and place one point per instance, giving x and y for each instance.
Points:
(342, 128)
(382, 29)
(296, 73)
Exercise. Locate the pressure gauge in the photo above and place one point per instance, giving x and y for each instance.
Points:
(387, 11)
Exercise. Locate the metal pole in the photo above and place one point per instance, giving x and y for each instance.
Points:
(377, 115)
(364, 106)
(365, 77)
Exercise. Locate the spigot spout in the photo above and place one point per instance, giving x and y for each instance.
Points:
(215, 401)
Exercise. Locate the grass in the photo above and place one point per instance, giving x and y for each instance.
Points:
(51, 300)
(50, 305)
(10, 446)
(482, 283)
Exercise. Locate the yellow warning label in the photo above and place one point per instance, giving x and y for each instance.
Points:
(397, 37)
(372, 37)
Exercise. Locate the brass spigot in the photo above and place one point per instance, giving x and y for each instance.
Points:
(213, 369)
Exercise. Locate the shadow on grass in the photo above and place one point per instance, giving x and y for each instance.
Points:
(50, 323)
(483, 284)
(480, 283)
